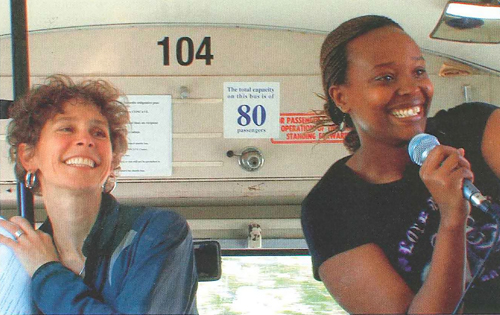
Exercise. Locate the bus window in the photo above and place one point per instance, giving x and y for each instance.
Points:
(266, 285)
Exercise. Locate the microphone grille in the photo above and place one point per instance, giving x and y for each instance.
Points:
(420, 146)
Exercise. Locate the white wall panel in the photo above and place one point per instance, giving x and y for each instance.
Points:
(203, 176)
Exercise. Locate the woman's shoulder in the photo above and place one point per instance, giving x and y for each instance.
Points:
(464, 114)
(338, 176)
(334, 188)
(155, 216)
(160, 221)
(468, 107)
(337, 170)
(162, 214)
(462, 125)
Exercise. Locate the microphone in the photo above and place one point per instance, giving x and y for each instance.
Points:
(419, 149)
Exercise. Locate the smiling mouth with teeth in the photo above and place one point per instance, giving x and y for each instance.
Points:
(79, 161)
(407, 112)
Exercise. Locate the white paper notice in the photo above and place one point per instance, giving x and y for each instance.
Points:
(150, 136)
(15, 296)
(251, 109)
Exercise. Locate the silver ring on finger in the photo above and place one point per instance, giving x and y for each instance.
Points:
(18, 234)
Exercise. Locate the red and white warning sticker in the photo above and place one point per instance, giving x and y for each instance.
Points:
(295, 128)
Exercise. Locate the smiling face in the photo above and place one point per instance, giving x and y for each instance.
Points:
(74, 150)
(388, 92)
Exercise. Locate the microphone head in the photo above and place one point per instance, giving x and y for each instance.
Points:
(420, 146)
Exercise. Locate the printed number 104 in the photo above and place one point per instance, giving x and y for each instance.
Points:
(184, 51)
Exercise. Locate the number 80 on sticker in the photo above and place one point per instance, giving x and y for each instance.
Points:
(248, 115)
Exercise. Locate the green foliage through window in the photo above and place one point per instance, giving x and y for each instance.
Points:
(266, 285)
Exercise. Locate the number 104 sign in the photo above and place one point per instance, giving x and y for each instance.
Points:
(251, 109)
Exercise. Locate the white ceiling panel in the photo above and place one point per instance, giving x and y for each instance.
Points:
(418, 17)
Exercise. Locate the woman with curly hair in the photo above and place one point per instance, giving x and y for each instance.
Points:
(92, 255)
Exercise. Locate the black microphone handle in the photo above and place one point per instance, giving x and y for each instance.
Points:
(472, 194)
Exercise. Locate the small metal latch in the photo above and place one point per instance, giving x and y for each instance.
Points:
(250, 159)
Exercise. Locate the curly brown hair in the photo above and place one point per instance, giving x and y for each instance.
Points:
(30, 113)
(334, 63)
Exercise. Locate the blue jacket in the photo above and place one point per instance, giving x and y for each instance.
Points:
(139, 261)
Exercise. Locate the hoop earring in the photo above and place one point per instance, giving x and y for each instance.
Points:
(106, 188)
(30, 180)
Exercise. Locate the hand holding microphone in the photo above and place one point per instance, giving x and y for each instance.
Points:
(420, 147)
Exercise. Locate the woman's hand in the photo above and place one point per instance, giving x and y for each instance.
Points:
(443, 172)
(32, 247)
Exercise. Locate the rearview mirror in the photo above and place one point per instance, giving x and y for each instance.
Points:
(208, 260)
(469, 22)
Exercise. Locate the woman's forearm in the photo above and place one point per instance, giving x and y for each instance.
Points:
(445, 281)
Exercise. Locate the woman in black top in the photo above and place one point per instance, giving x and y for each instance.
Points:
(385, 236)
